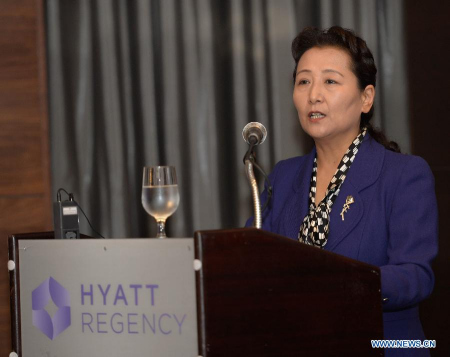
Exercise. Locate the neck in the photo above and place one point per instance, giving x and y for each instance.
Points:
(330, 152)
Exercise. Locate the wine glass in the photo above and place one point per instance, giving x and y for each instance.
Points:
(160, 195)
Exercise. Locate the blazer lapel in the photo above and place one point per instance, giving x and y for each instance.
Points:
(364, 171)
(340, 228)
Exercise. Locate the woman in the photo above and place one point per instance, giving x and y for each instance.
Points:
(355, 194)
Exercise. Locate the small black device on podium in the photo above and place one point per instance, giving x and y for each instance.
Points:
(65, 219)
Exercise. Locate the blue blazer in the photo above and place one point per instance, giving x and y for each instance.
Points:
(392, 224)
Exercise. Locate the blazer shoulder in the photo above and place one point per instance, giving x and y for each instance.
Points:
(407, 164)
(406, 173)
(292, 164)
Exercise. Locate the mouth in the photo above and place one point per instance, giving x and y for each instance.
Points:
(316, 115)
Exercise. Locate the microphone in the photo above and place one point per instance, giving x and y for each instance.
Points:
(254, 133)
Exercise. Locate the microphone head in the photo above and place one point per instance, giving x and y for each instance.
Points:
(256, 131)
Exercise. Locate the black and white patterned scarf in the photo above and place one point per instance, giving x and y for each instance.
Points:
(315, 227)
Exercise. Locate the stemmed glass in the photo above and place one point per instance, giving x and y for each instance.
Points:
(160, 196)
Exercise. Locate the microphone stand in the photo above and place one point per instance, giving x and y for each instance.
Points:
(248, 162)
(255, 193)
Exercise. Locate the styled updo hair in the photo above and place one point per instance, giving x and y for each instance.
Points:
(363, 65)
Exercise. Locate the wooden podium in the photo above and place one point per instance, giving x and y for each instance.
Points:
(261, 294)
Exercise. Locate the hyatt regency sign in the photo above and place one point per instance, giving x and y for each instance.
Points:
(113, 297)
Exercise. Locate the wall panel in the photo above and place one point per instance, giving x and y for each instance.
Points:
(428, 36)
(25, 204)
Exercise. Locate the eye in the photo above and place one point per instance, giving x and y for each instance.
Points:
(330, 81)
(302, 82)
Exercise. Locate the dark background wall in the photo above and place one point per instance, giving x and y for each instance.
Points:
(25, 202)
(428, 38)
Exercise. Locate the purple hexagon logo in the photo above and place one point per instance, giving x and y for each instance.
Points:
(40, 297)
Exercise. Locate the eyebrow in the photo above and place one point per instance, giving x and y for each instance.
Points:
(324, 71)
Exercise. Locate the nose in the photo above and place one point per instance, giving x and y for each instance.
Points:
(315, 93)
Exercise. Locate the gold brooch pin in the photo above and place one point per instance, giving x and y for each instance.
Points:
(347, 204)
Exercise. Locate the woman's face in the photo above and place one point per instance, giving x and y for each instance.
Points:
(327, 97)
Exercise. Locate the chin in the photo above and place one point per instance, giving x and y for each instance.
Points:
(316, 131)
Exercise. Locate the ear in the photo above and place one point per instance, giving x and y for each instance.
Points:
(367, 96)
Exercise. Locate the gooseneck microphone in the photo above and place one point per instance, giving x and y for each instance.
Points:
(255, 133)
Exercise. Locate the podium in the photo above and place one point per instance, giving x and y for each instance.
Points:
(253, 293)
(260, 294)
